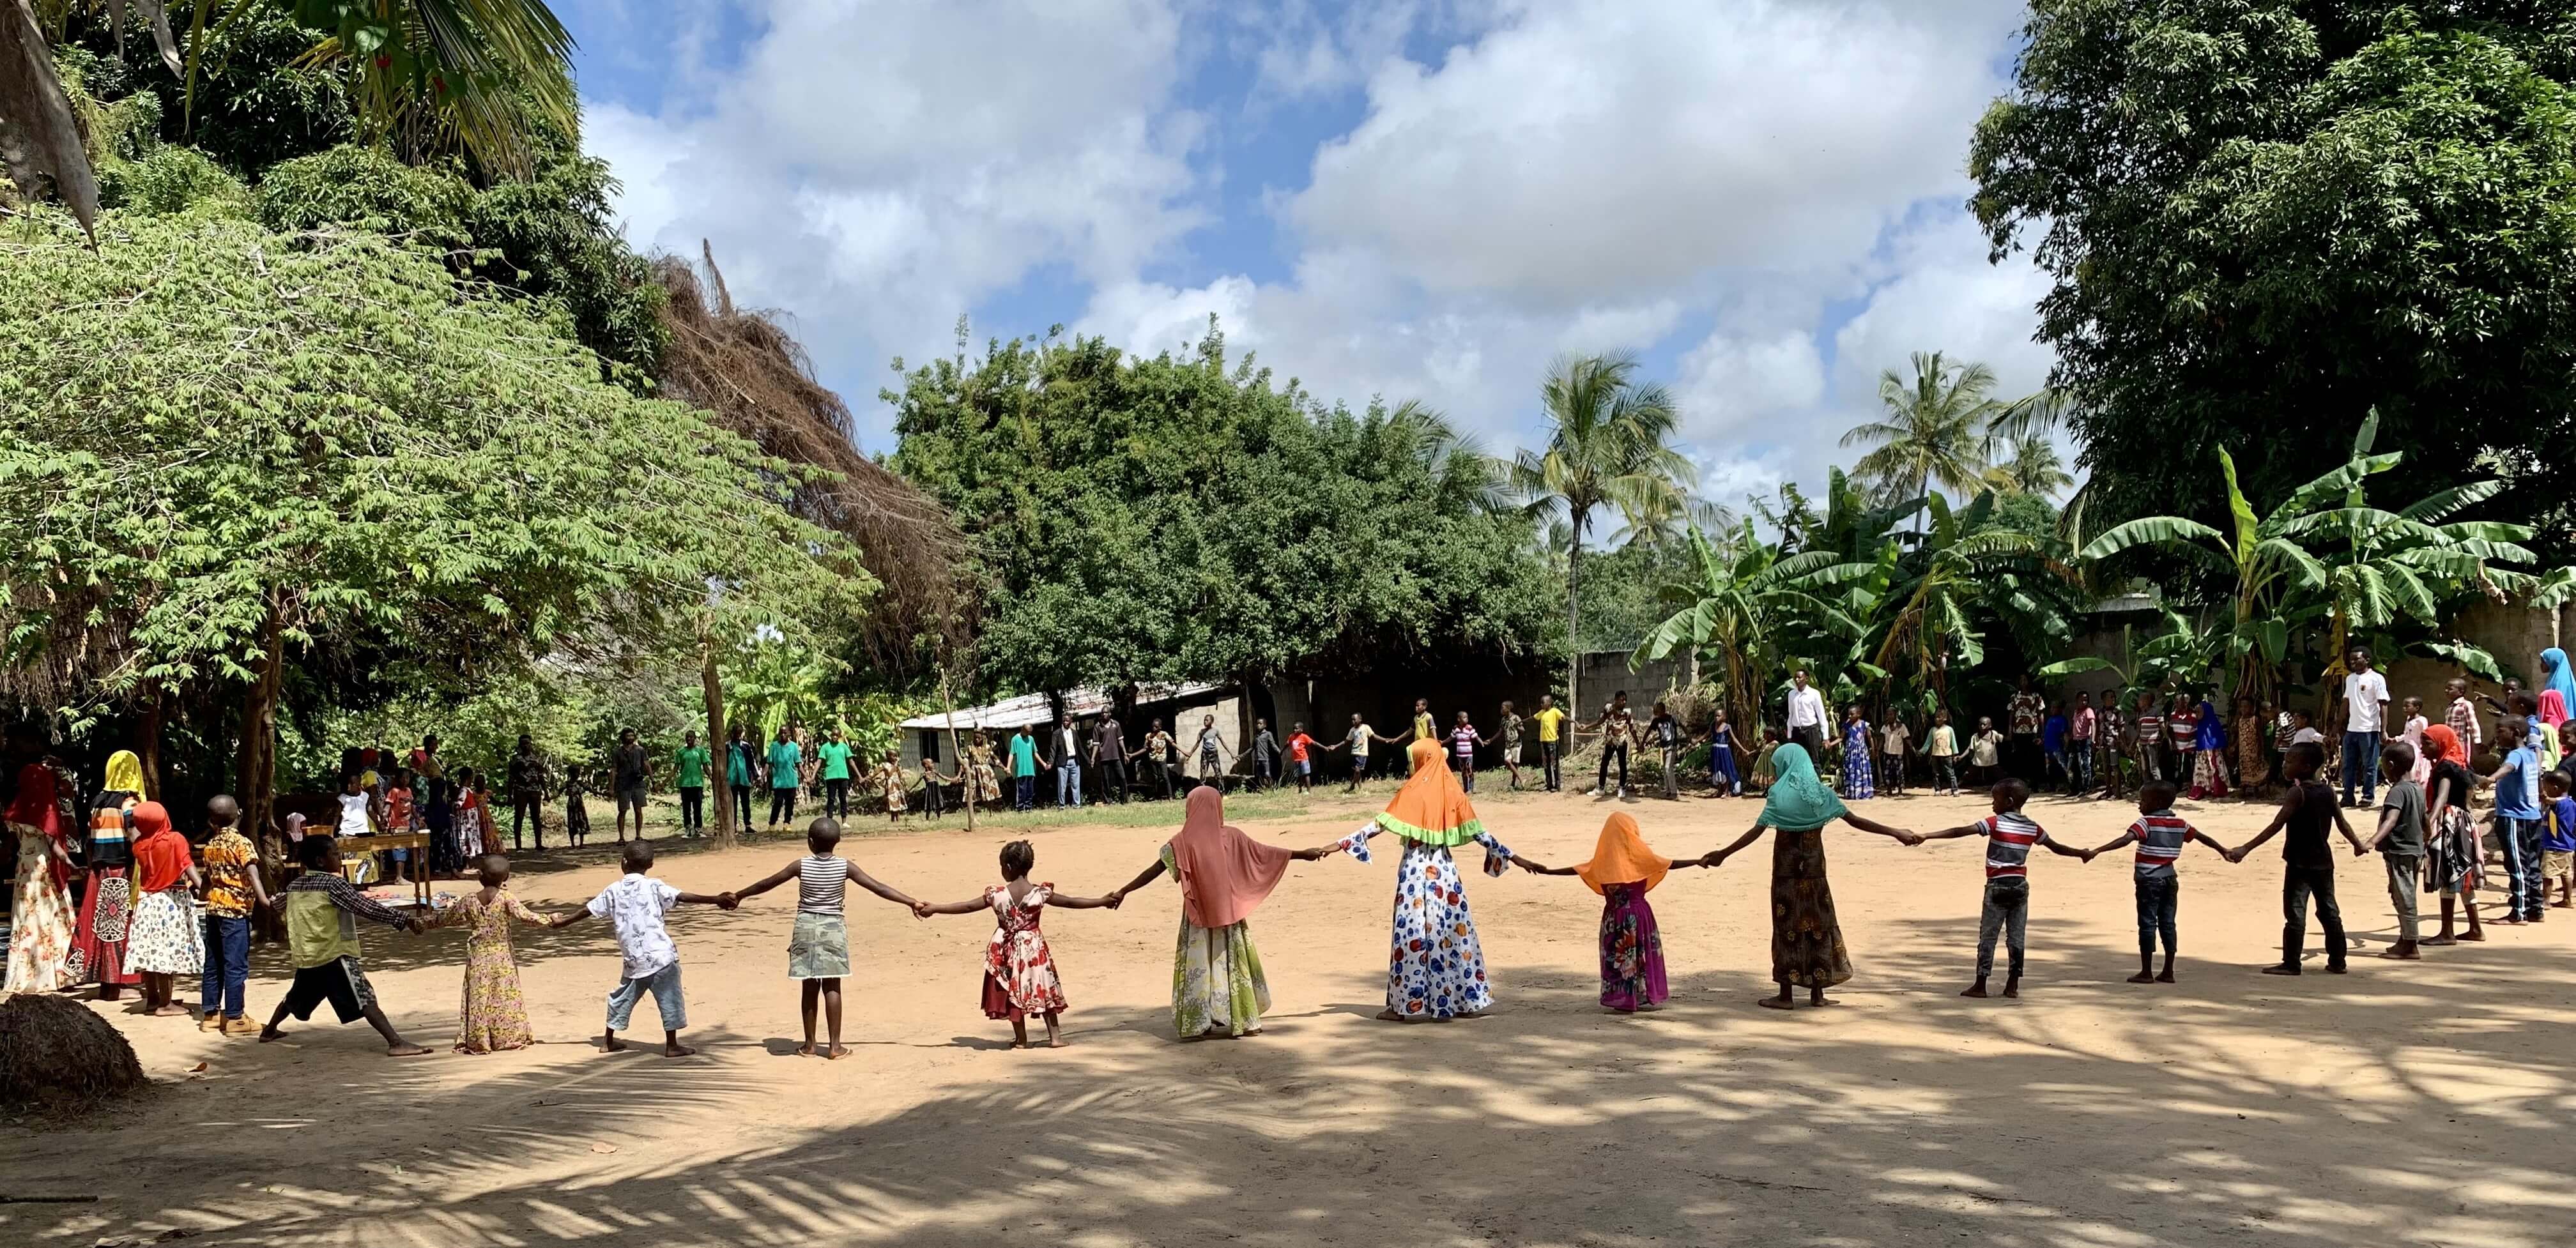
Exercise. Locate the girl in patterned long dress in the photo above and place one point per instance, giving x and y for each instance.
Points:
(1623, 870)
(1435, 966)
(985, 771)
(166, 940)
(1019, 969)
(493, 1017)
(1858, 776)
(1806, 940)
(40, 939)
(1217, 986)
(107, 900)
(892, 785)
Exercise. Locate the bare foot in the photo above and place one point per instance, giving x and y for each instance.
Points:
(838, 1052)
(1975, 990)
(1389, 1016)
(170, 1011)
(1818, 998)
(2474, 934)
(2143, 977)
(2440, 942)
(806, 1049)
(404, 1050)
(267, 1034)
(1777, 1003)
(1055, 1042)
(677, 1049)
(611, 1044)
(2164, 977)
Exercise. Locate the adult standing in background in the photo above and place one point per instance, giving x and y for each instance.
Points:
(40, 940)
(526, 777)
(2557, 688)
(1109, 758)
(1064, 754)
(742, 766)
(784, 759)
(1806, 717)
(1024, 768)
(1551, 741)
(632, 769)
(832, 762)
(107, 904)
(689, 771)
(435, 797)
(2365, 725)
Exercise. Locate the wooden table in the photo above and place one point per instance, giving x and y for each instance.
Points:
(416, 842)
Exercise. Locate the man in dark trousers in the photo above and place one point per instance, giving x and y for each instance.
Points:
(526, 777)
(1109, 758)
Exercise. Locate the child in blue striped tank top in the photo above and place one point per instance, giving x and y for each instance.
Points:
(818, 951)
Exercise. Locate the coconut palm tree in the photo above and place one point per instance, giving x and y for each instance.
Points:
(1607, 447)
(1936, 431)
(2032, 467)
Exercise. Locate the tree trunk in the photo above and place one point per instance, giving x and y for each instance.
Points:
(147, 739)
(956, 750)
(717, 736)
(256, 760)
(1574, 624)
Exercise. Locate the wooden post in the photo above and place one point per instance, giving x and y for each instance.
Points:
(967, 789)
(147, 739)
(256, 760)
(713, 688)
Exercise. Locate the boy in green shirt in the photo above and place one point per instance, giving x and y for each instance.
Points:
(832, 758)
(690, 766)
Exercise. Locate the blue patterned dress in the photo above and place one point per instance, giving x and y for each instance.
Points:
(1857, 777)
(1435, 968)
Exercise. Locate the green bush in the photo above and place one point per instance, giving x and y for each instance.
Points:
(366, 188)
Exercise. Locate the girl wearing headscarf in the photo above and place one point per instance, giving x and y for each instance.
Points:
(107, 903)
(1217, 987)
(2451, 850)
(1623, 869)
(40, 939)
(1806, 940)
(2557, 687)
(2208, 752)
(1435, 968)
(167, 941)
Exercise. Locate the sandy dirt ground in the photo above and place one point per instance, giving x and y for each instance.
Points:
(2428, 1103)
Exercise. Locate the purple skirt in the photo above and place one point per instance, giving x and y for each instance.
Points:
(1632, 952)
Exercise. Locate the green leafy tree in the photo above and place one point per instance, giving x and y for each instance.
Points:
(1608, 447)
(2263, 217)
(224, 444)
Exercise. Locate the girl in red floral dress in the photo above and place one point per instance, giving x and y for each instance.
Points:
(1019, 970)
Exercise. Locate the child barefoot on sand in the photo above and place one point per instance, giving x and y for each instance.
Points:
(1019, 969)
(2307, 810)
(2159, 835)
(164, 940)
(493, 1017)
(2451, 850)
(818, 954)
(2400, 841)
(635, 905)
(1623, 870)
(2010, 835)
(322, 913)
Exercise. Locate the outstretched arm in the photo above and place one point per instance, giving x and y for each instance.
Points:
(968, 906)
(2068, 850)
(1076, 903)
(2124, 838)
(1891, 831)
(1965, 829)
(882, 889)
(1536, 868)
(2289, 802)
(1143, 878)
(782, 875)
(2345, 826)
(1718, 857)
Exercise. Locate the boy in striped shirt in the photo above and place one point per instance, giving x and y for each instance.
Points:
(2010, 836)
(2159, 835)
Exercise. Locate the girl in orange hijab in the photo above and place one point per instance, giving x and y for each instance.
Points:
(164, 941)
(1623, 870)
(1217, 987)
(1435, 968)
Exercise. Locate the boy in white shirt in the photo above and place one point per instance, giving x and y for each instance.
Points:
(636, 904)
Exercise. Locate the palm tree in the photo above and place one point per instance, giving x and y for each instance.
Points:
(1743, 593)
(1936, 432)
(1606, 447)
(2034, 467)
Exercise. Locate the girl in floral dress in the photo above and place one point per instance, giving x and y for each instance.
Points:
(1217, 986)
(1623, 869)
(1019, 970)
(470, 815)
(40, 942)
(166, 940)
(892, 785)
(985, 771)
(1435, 967)
(494, 1016)
(1857, 774)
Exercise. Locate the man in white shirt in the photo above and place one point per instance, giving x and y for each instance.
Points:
(1807, 717)
(2365, 725)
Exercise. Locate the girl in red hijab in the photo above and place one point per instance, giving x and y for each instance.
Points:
(165, 940)
(1217, 987)
(40, 940)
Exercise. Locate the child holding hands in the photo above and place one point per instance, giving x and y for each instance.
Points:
(2159, 835)
(1623, 869)
(2010, 836)
(1019, 969)
(2307, 862)
(635, 905)
(818, 952)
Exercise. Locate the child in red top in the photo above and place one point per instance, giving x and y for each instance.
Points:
(1301, 758)
(164, 940)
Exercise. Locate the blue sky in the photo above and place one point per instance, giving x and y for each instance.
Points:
(1426, 199)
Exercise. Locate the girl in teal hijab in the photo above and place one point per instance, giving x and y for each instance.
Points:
(1806, 940)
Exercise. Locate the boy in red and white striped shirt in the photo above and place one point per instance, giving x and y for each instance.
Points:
(2159, 835)
(2010, 836)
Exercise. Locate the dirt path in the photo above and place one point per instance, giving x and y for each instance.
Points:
(2422, 1103)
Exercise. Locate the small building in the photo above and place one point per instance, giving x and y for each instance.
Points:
(926, 736)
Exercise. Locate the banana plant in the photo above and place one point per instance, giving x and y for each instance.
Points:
(1741, 596)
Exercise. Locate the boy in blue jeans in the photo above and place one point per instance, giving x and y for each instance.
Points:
(232, 886)
(2010, 836)
(2518, 823)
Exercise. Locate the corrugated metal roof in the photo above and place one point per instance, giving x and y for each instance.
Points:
(1032, 708)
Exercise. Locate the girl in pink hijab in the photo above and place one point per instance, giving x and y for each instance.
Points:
(1217, 987)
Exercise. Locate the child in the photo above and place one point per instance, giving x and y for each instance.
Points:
(1722, 744)
(493, 1017)
(2182, 738)
(2401, 839)
(634, 905)
(2307, 863)
(232, 884)
(1764, 772)
(577, 815)
(1858, 780)
(1301, 757)
(2451, 844)
(2253, 765)
(1509, 733)
(2009, 837)
(2462, 718)
(1985, 752)
(1019, 969)
(2159, 835)
(2303, 731)
(2080, 728)
(2149, 740)
(402, 817)
(892, 785)
(2113, 741)
(2209, 752)
(1666, 733)
(1463, 740)
(2052, 749)
(818, 953)
(1943, 747)
(2517, 821)
(322, 913)
(472, 816)
(933, 801)
(1893, 737)
(1623, 870)
(164, 941)
(2558, 840)
(2413, 735)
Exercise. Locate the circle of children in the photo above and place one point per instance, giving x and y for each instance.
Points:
(128, 902)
